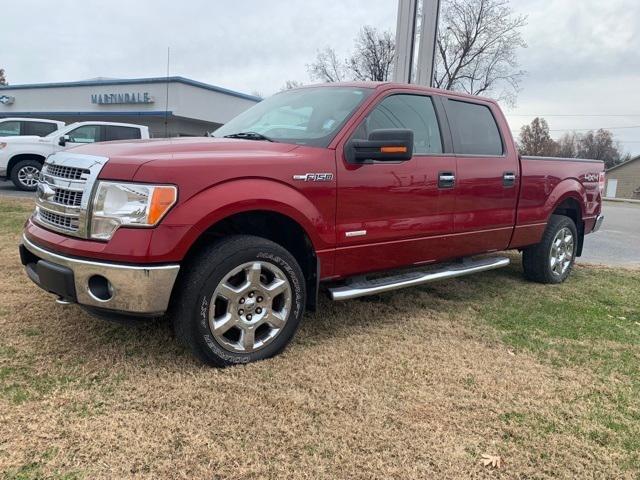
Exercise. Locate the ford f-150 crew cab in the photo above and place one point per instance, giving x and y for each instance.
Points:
(353, 189)
(21, 157)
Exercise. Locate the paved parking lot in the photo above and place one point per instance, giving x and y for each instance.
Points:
(7, 189)
(617, 242)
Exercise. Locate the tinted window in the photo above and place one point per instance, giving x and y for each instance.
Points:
(121, 133)
(85, 134)
(40, 129)
(414, 112)
(474, 129)
(9, 129)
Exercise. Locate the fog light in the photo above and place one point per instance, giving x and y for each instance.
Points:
(100, 288)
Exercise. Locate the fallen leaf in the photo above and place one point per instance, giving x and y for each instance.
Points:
(622, 318)
(511, 352)
(493, 461)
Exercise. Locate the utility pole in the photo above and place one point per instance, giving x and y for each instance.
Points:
(416, 18)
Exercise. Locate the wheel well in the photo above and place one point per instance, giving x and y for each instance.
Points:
(571, 208)
(273, 226)
(23, 156)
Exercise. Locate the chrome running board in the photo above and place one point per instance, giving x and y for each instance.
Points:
(361, 287)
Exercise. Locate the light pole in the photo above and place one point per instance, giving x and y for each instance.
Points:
(408, 28)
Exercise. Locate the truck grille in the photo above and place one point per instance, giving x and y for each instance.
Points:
(64, 190)
(60, 221)
(68, 197)
(71, 173)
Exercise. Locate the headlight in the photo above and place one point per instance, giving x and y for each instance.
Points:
(129, 204)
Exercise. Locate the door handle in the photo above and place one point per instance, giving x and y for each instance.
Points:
(509, 179)
(446, 180)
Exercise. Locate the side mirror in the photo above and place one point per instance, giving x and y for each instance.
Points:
(63, 140)
(389, 145)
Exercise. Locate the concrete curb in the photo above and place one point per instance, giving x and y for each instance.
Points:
(620, 200)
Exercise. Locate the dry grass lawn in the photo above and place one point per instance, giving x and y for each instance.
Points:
(415, 384)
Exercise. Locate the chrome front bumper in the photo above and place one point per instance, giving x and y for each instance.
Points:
(138, 290)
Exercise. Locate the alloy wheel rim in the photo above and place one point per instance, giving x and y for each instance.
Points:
(562, 250)
(250, 307)
(28, 176)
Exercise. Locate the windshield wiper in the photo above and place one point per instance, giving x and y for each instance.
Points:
(249, 136)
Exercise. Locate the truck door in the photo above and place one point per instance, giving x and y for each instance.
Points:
(392, 214)
(487, 178)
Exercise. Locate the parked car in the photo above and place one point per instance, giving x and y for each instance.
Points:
(21, 157)
(372, 187)
(40, 127)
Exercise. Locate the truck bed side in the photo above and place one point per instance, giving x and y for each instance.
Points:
(557, 185)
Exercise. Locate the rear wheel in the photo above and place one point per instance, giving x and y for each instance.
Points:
(241, 301)
(25, 174)
(551, 260)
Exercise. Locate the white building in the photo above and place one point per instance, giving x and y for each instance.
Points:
(173, 106)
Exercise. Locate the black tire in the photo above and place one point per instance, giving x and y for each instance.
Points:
(536, 259)
(19, 180)
(205, 273)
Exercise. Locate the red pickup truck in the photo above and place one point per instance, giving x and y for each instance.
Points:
(352, 188)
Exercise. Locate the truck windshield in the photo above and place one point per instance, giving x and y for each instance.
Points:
(305, 116)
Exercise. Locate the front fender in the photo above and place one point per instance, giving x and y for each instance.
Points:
(216, 203)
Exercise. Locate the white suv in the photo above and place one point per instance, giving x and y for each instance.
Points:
(40, 127)
(21, 157)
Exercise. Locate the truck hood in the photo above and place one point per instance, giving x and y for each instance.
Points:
(125, 158)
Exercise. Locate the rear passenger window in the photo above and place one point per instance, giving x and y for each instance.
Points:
(414, 112)
(121, 133)
(9, 129)
(41, 129)
(474, 129)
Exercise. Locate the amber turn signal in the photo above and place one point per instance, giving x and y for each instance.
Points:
(399, 149)
(162, 200)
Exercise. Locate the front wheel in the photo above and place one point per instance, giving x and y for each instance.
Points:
(25, 175)
(241, 301)
(551, 260)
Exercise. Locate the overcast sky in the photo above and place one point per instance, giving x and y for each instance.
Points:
(583, 56)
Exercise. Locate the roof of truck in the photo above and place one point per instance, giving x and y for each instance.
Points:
(29, 119)
(390, 85)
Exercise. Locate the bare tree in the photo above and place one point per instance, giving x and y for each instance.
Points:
(327, 67)
(535, 139)
(568, 145)
(3, 79)
(600, 145)
(371, 60)
(476, 51)
(476, 48)
(373, 56)
(290, 84)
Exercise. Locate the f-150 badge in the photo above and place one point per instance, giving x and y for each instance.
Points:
(314, 177)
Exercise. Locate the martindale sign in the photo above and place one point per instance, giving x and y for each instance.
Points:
(121, 98)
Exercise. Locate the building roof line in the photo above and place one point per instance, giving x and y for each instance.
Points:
(133, 81)
(624, 163)
(113, 113)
